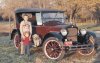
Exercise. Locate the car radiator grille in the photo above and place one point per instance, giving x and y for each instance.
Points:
(72, 34)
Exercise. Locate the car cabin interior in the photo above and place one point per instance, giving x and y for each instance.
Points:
(32, 18)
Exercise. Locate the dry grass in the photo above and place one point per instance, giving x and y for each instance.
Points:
(8, 54)
(6, 27)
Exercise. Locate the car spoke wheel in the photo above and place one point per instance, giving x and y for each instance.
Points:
(91, 49)
(53, 49)
(16, 41)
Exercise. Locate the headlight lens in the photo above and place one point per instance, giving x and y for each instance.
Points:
(83, 31)
(63, 32)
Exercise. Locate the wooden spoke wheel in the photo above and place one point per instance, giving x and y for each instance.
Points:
(17, 40)
(53, 48)
(91, 49)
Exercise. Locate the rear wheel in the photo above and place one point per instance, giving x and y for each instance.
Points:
(16, 41)
(91, 50)
(53, 48)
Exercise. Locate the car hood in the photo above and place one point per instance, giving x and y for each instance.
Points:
(58, 24)
(65, 26)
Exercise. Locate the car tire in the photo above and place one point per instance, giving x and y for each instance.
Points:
(92, 51)
(53, 48)
(16, 41)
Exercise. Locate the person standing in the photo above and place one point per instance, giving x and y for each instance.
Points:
(26, 32)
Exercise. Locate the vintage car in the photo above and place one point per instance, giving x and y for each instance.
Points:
(56, 37)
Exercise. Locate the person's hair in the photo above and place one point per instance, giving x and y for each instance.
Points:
(24, 15)
(27, 14)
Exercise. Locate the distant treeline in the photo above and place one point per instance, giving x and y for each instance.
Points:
(75, 9)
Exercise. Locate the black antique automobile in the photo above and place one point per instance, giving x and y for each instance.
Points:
(54, 35)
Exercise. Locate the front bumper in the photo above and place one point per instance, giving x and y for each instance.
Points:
(78, 47)
(74, 46)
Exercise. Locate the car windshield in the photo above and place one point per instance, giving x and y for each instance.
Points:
(53, 17)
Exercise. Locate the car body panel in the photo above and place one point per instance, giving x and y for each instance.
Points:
(52, 27)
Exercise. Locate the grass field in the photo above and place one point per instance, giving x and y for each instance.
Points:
(8, 54)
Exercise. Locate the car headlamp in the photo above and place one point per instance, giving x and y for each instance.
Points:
(63, 32)
(83, 31)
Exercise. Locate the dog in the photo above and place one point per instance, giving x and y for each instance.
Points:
(36, 39)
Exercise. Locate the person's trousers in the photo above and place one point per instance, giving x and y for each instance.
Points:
(25, 49)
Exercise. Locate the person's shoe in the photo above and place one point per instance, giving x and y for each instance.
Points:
(21, 56)
(29, 57)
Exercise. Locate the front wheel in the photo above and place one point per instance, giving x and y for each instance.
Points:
(91, 50)
(53, 48)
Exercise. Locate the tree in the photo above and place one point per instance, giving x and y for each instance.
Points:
(74, 9)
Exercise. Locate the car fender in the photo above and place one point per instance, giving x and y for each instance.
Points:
(94, 35)
(13, 33)
(88, 33)
(83, 38)
(53, 34)
(91, 33)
